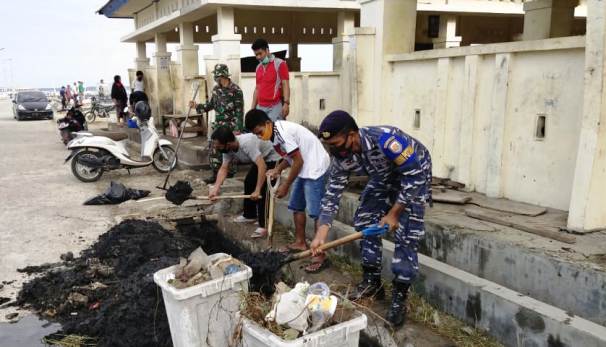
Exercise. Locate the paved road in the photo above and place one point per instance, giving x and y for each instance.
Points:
(41, 211)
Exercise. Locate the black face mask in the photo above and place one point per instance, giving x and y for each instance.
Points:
(341, 151)
(224, 150)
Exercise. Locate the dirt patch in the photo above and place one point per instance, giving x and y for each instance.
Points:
(109, 292)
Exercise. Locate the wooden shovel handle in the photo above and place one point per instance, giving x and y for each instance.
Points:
(205, 197)
(327, 245)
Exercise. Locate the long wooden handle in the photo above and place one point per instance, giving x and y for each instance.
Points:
(241, 196)
(326, 246)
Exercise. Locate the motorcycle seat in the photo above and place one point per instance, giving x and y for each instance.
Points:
(114, 135)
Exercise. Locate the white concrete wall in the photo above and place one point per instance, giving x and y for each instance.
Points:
(479, 111)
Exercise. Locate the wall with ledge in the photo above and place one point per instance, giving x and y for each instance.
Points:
(502, 118)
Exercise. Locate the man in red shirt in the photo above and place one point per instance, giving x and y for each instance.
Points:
(272, 92)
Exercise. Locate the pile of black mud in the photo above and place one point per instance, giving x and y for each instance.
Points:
(108, 292)
(179, 193)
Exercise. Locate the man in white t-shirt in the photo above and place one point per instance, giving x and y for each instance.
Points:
(309, 163)
(139, 85)
(245, 149)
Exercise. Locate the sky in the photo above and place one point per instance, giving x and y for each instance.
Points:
(48, 43)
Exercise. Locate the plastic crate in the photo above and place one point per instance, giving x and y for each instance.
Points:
(346, 334)
(205, 314)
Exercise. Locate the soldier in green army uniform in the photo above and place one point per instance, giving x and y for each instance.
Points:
(228, 102)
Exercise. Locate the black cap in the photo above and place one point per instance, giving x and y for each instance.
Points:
(334, 123)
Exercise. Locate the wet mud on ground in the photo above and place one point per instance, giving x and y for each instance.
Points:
(109, 293)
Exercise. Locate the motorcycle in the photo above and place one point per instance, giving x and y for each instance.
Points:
(97, 110)
(70, 124)
(94, 154)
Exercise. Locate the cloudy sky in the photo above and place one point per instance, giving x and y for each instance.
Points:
(53, 42)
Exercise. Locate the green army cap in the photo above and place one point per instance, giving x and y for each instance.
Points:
(221, 70)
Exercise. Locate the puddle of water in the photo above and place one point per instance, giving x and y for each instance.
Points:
(28, 331)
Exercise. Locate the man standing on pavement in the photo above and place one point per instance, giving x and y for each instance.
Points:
(101, 90)
(245, 149)
(309, 163)
(81, 91)
(228, 102)
(272, 91)
(139, 85)
(119, 98)
(399, 167)
(75, 93)
(62, 95)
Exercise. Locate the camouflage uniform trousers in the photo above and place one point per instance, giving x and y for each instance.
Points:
(215, 158)
(377, 199)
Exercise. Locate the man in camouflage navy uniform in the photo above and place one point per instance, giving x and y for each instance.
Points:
(399, 168)
(228, 102)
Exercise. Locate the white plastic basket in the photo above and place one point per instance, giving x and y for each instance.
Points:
(346, 334)
(205, 314)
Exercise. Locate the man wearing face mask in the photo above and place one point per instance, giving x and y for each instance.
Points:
(245, 149)
(309, 163)
(272, 91)
(399, 167)
(228, 102)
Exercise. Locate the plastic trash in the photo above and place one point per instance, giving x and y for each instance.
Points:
(196, 261)
(132, 123)
(290, 308)
(117, 193)
(321, 305)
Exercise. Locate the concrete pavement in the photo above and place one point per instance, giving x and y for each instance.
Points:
(41, 211)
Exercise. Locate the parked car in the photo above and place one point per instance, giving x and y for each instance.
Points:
(32, 105)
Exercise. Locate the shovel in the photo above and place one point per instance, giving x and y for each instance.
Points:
(374, 230)
(202, 197)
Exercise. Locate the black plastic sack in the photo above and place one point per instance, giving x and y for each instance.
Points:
(115, 194)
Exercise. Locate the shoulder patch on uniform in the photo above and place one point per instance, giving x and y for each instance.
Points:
(396, 148)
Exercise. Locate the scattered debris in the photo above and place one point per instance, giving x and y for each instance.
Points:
(69, 256)
(117, 193)
(179, 193)
(11, 316)
(32, 269)
(69, 340)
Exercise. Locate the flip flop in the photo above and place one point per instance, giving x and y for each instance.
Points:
(289, 250)
(323, 265)
(259, 234)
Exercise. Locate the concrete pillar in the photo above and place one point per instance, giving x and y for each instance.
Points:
(187, 51)
(161, 96)
(226, 44)
(343, 58)
(142, 60)
(447, 35)
(586, 211)
(395, 24)
(545, 19)
(496, 130)
(294, 61)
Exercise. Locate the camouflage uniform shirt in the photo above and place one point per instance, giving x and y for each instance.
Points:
(228, 104)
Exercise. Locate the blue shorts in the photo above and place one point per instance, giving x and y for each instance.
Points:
(307, 194)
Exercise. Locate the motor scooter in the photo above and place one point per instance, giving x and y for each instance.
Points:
(94, 153)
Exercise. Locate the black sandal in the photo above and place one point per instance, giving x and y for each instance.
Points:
(323, 265)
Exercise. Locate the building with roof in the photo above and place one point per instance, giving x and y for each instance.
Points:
(502, 92)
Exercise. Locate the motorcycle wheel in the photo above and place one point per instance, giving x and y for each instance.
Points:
(90, 116)
(163, 164)
(83, 172)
